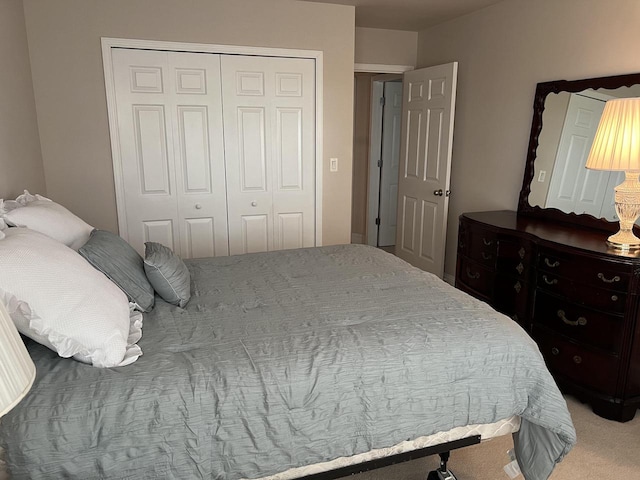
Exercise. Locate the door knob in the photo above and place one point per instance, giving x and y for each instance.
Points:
(198, 206)
(254, 204)
(438, 193)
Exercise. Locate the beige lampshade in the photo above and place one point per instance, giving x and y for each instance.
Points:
(617, 142)
(17, 370)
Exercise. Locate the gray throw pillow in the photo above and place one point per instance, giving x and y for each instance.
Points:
(118, 260)
(167, 273)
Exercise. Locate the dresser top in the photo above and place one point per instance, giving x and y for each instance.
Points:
(559, 233)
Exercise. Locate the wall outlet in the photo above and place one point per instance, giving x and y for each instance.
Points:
(333, 164)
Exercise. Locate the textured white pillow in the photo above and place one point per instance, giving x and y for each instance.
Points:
(57, 298)
(45, 216)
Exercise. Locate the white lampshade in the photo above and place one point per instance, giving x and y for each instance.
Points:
(617, 142)
(17, 370)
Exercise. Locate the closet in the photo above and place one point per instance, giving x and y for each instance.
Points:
(217, 152)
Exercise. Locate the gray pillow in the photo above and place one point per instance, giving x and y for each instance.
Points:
(114, 257)
(167, 273)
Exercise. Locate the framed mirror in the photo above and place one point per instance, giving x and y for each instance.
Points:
(556, 185)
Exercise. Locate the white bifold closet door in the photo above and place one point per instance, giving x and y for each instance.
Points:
(217, 152)
(171, 150)
(269, 130)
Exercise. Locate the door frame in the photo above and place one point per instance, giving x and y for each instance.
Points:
(110, 43)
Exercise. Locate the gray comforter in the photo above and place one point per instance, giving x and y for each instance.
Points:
(286, 359)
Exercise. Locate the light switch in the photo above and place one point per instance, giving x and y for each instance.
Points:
(333, 164)
(542, 175)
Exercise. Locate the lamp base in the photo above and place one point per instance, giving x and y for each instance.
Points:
(623, 246)
(627, 203)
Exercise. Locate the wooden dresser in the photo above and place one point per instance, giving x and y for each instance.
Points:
(579, 300)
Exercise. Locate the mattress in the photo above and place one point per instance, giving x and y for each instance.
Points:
(284, 360)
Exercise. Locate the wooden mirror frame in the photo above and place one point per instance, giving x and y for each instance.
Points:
(542, 90)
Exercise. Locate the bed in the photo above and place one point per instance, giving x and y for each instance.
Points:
(289, 363)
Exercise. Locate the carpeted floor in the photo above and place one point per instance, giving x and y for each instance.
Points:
(606, 450)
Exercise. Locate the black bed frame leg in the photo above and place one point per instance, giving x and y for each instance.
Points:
(442, 473)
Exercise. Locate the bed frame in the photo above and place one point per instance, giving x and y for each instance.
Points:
(442, 473)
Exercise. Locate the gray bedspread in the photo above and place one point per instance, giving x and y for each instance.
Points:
(286, 359)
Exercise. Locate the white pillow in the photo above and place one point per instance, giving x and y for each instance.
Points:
(45, 216)
(57, 298)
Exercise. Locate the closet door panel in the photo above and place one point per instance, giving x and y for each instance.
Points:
(172, 154)
(199, 153)
(200, 237)
(269, 121)
(159, 231)
(145, 136)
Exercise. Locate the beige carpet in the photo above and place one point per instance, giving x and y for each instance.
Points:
(606, 450)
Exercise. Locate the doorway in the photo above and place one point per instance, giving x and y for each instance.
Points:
(377, 129)
(421, 195)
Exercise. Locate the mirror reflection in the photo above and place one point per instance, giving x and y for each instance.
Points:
(569, 124)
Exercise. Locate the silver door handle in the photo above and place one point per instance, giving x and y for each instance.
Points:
(438, 193)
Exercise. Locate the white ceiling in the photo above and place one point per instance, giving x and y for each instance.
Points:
(413, 15)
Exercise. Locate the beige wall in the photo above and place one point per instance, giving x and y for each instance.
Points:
(386, 47)
(504, 50)
(66, 60)
(20, 157)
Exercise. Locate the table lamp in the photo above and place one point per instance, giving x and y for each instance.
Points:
(17, 370)
(617, 147)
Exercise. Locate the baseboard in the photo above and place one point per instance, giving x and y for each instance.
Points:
(357, 238)
(450, 279)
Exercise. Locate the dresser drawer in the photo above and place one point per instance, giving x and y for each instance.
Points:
(590, 295)
(482, 247)
(583, 367)
(475, 277)
(597, 273)
(577, 322)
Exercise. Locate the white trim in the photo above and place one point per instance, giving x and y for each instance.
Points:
(450, 279)
(381, 68)
(357, 238)
(109, 43)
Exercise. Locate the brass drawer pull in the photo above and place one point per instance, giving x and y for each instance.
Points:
(517, 287)
(487, 242)
(555, 351)
(472, 275)
(574, 323)
(520, 268)
(486, 256)
(553, 281)
(522, 252)
(550, 264)
(606, 280)
(614, 298)
(577, 359)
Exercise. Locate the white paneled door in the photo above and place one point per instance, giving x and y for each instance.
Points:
(425, 160)
(171, 150)
(269, 123)
(205, 186)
